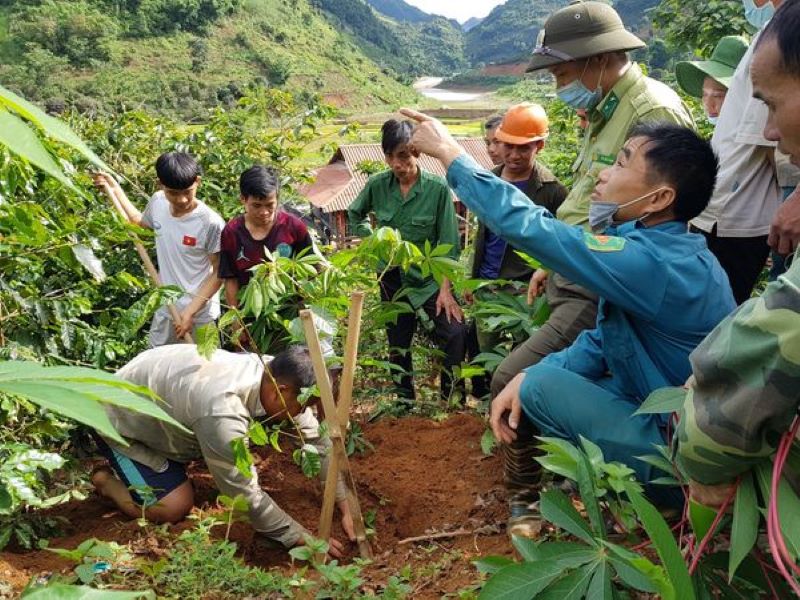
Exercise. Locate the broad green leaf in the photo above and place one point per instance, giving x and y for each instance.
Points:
(492, 564)
(51, 126)
(528, 549)
(570, 587)
(632, 576)
(569, 555)
(589, 497)
(89, 389)
(744, 529)
(62, 591)
(665, 400)
(22, 141)
(66, 402)
(665, 545)
(488, 442)
(521, 581)
(557, 508)
(257, 434)
(5, 498)
(648, 576)
(600, 587)
(788, 506)
(207, 340)
(242, 457)
(701, 518)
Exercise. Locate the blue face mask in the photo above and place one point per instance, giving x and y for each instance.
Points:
(758, 16)
(712, 120)
(601, 213)
(578, 96)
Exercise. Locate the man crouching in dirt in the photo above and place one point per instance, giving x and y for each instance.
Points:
(661, 291)
(216, 400)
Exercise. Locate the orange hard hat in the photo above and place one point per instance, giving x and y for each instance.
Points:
(522, 124)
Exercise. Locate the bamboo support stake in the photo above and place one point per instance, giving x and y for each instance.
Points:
(350, 355)
(149, 267)
(335, 430)
(343, 408)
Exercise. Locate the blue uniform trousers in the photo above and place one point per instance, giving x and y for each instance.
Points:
(565, 405)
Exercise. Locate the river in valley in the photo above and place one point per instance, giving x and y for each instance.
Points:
(428, 87)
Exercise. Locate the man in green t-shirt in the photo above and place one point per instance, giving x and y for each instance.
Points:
(420, 206)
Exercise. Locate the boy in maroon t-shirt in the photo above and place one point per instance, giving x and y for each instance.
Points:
(263, 225)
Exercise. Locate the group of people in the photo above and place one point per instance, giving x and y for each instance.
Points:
(645, 259)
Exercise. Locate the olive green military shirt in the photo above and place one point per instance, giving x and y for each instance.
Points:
(425, 214)
(634, 99)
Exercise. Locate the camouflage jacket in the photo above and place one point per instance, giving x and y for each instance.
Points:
(747, 387)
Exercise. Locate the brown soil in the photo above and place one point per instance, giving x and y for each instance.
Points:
(422, 477)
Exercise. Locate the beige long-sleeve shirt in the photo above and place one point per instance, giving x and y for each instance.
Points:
(216, 400)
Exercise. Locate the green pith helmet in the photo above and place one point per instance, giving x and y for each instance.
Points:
(720, 68)
(581, 30)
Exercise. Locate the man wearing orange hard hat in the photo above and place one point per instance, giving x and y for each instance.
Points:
(522, 134)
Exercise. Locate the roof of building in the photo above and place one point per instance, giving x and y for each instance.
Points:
(332, 193)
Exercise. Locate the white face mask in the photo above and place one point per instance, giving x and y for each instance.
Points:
(712, 120)
(602, 212)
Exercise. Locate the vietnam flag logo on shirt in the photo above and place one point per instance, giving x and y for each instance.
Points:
(189, 241)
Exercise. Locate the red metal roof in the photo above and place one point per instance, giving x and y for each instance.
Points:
(331, 195)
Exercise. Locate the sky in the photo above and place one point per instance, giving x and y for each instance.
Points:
(461, 10)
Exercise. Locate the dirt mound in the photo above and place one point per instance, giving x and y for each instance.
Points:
(422, 477)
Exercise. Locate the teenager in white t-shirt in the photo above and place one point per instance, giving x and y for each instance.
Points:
(187, 244)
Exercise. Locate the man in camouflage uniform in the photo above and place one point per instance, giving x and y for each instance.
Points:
(584, 46)
(745, 389)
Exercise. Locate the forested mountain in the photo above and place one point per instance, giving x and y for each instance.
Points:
(183, 55)
(412, 47)
(470, 23)
(509, 32)
(400, 11)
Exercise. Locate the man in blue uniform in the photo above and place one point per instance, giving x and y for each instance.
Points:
(661, 289)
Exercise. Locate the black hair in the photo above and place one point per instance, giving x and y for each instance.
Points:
(177, 170)
(679, 157)
(293, 366)
(783, 28)
(259, 182)
(395, 133)
(493, 122)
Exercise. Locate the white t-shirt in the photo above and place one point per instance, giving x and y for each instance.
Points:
(746, 195)
(183, 247)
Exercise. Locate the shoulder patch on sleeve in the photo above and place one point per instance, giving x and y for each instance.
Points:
(603, 243)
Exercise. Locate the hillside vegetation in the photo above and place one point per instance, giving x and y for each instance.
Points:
(508, 33)
(183, 55)
(410, 46)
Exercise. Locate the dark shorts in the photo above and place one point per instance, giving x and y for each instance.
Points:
(146, 485)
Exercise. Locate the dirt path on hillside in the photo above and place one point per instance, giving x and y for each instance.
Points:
(421, 477)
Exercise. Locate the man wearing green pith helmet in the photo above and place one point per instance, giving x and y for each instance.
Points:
(585, 47)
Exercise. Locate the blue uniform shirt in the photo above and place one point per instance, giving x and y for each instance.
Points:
(661, 289)
(494, 247)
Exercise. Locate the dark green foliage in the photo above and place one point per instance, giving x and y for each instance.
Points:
(78, 31)
(182, 57)
(432, 46)
(696, 27)
(509, 33)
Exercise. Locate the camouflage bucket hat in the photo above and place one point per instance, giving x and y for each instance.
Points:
(720, 68)
(581, 30)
